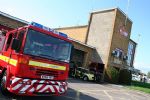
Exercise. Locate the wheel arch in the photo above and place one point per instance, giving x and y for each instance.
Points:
(86, 76)
(3, 70)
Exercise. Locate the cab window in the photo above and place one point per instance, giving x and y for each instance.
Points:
(8, 42)
(20, 37)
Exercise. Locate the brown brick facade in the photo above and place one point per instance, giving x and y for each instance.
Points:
(77, 33)
(120, 41)
(100, 34)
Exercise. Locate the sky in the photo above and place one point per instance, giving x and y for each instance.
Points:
(62, 13)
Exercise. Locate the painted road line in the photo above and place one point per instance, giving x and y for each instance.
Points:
(110, 97)
(132, 97)
(100, 90)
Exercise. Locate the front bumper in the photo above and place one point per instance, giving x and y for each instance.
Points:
(20, 86)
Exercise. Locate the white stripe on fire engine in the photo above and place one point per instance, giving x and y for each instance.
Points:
(33, 81)
(42, 81)
(52, 89)
(15, 80)
(59, 83)
(44, 88)
(17, 86)
(39, 86)
(47, 87)
(52, 82)
(32, 90)
(28, 86)
(25, 88)
(57, 87)
(25, 80)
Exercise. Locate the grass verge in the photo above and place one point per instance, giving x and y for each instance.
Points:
(145, 87)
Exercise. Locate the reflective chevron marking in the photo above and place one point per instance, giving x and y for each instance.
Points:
(39, 86)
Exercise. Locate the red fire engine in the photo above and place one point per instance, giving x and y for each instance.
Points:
(34, 60)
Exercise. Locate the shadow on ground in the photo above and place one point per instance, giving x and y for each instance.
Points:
(77, 80)
(71, 95)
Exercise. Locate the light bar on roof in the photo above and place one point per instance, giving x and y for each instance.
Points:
(48, 29)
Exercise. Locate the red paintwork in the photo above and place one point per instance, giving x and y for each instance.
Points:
(25, 71)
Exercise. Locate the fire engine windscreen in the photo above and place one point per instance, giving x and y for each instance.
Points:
(46, 46)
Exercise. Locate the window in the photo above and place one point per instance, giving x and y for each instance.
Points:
(131, 50)
(119, 53)
(8, 42)
(20, 38)
(46, 46)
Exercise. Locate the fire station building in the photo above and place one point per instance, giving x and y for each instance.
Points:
(109, 32)
(105, 41)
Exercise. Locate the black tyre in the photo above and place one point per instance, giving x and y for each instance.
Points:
(3, 83)
(85, 78)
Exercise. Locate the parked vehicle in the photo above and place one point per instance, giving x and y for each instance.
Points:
(84, 74)
(34, 60)
(135, 77)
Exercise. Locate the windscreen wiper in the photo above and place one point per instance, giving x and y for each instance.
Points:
(61, 59)
(47, 56)
(53, 58)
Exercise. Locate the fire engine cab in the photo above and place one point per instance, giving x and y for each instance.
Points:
(34, 60)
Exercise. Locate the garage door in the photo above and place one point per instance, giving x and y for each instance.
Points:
(78, 57)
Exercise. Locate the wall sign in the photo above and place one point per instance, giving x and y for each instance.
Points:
(122, 31)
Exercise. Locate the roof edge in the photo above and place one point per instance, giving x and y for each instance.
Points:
(132, 41)
(103, 10)
(70, 27)
(82, 43)
(14, 18)
(110, 9)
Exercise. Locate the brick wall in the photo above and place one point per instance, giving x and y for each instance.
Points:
(119, 40)
(100, 34)
(77, 33)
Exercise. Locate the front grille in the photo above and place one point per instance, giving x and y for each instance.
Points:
(46, 72)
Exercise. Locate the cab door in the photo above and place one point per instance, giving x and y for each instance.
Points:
(6, 53)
